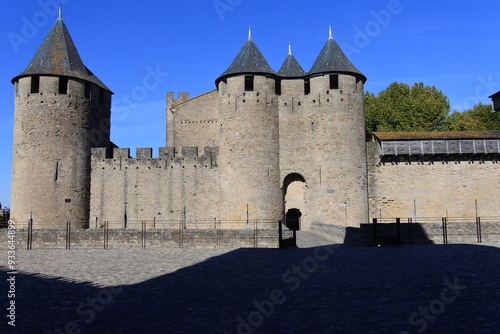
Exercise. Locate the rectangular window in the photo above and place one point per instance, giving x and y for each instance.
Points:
(307, 87)
(277, 87)
(334, 81)
(63, 85)
(249, 83)
(35, 84)
(88, 91)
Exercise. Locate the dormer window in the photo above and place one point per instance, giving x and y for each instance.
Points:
(249, 83)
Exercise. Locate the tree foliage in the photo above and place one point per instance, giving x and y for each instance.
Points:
(479, 117)
(404, 108)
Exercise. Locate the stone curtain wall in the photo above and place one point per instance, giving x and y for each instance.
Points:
(193, 122)
(433, 189)
(181, 184)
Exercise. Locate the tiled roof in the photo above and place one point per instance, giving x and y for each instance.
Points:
(248, 60)
(497, 94)
(333, 59)
(58, 56)
(291, 68)
(387, 136)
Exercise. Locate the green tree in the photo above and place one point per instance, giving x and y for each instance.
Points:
(404, 108)
(479, 117)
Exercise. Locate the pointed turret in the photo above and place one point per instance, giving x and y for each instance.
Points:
(61, 112)
(57, 56)
(291, 67)
(333, 60)
(248, 61)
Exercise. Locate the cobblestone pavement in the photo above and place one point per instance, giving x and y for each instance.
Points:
(322, 289)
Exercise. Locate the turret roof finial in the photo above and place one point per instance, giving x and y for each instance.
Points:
(330, 32)
(60, 11)
(289, 48)
(249, 33)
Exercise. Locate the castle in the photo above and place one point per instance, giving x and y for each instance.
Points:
(261, 146)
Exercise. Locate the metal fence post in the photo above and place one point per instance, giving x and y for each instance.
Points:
(30, 234)
(478, 230)
(375, 238)
(68, 235)
(106, 235)
(143, 234)
(445, 230)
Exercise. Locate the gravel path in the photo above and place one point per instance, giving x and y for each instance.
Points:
(322, 289)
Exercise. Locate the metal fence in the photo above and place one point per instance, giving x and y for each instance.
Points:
(436, 229)
(150, 233)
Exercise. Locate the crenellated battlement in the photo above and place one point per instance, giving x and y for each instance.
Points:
(169, 157)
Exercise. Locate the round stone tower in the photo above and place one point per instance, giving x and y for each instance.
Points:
(336, 96)
(249, 139)
(61, 111)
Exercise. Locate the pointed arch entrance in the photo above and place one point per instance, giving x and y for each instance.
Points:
(294, 194)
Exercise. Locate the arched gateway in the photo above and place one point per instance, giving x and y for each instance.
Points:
(294, 194)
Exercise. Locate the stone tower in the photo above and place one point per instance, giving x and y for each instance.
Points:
(61, 110)
(322, 139)
(249, 138)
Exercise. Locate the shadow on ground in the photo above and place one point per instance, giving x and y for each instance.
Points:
(328, 289)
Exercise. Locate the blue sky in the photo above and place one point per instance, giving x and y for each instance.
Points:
(453, 45)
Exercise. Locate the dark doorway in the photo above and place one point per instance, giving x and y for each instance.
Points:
(292, 217)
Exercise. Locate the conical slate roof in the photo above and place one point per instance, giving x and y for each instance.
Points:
(291, 67)
(248, 60)
(333, 59)
(58, 56)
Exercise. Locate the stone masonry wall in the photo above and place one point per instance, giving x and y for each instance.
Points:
(133, 238)
(322, 139)
(437, 188)
(249, 150)
(194, 122)
(53, 134)
(181, 184)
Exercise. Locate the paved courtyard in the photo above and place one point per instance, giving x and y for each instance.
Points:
(311, 289)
